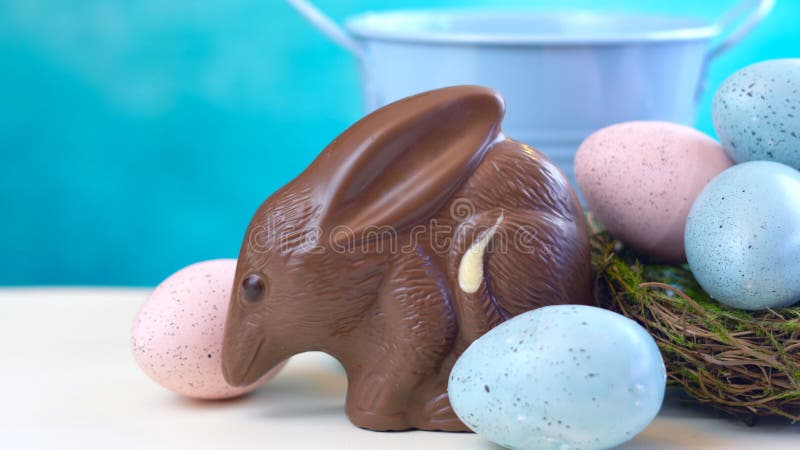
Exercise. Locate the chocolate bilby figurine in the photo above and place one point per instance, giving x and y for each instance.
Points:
(413, 233)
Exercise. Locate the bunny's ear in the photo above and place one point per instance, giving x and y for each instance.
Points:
(400, 164)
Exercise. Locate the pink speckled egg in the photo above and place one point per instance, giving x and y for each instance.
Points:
(641, 178)
(177, 335)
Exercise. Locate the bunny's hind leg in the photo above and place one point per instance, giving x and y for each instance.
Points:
(413, 332)
(546, 261)
(510, 262)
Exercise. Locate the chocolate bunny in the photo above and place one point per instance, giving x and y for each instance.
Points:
(413, 233)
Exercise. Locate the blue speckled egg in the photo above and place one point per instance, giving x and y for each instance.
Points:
(743, 236)
(757, 113)
(563, 377)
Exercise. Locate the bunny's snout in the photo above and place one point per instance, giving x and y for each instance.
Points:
(226, 373)
(245, 356)
(247, 367)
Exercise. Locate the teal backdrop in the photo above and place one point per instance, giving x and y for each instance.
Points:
(138, 136)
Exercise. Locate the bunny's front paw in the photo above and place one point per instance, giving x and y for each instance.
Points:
(437, 414)
(374, 394)
(374, 403)
(371, 420)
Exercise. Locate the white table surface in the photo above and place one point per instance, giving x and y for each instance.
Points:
(69, 381)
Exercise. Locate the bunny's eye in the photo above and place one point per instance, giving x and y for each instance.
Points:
(253, 288)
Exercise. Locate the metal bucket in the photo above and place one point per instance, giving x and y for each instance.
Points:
(564, 75)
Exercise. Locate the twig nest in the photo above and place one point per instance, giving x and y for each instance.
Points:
(743, 363)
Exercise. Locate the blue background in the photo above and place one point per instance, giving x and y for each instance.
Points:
(139, 136)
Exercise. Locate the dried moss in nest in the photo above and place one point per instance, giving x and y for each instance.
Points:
(743, 363)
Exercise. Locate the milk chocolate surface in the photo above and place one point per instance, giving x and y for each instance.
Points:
(414, 232)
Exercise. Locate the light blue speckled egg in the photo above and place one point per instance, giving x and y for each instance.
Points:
(563, 377)
(743, 236)
(757, 113)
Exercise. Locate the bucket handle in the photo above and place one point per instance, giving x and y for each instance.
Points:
(751, 11)
(327, 26)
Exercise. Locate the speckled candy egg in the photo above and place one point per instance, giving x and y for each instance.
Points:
(563, 377)
(640, 179)
(177, 335)
(743, 236)
(757, 112)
